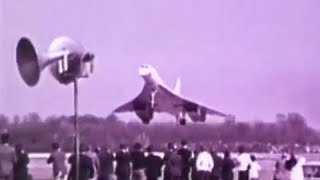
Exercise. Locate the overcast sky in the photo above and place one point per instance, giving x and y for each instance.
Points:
(249, 58)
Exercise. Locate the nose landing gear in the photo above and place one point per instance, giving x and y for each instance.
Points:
(183, 121)
(181, 118)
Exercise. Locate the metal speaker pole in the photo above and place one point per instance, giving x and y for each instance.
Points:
(76, 128)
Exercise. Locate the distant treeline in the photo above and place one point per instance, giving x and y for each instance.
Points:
(37, 134)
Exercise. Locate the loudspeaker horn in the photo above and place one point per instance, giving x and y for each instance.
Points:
(28, 62)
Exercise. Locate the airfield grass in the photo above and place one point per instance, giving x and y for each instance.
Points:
(40, 170)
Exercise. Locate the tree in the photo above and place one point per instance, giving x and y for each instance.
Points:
(280, 117)
(32, 117)
(37, 135)
(4, 121)
(16, 120)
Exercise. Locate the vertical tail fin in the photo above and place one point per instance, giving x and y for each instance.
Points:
(177, 88)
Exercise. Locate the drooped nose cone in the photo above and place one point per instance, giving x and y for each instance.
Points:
(144, 70)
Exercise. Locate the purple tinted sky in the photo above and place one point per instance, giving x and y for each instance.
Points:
(250, 58)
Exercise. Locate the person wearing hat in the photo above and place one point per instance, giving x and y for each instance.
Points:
(7, 157)
(86, 169)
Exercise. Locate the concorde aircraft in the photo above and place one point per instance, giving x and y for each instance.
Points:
(156, 96)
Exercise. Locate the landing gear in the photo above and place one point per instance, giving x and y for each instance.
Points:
(148, 115)
(183, 121)
(181, 118)
(153, 95)
(146, 121)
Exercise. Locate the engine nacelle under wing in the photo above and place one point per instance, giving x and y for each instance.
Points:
(144, 111)
(199, 115)
(202, 114)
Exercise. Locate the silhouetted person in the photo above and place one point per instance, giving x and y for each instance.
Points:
(194, 174)
(86, 167)
(227, 167)
(216, 171)
(185, 153)
(7, 157)
(153, 165)
(106, 160)
(244, 162)
(97, 150)
(204, 164)
(138, 163)
(175, 164)
(123, 160)
(57, 159)
(21, 165)
(166, 158)
(281, 173)
(291, 162)
(94, 157)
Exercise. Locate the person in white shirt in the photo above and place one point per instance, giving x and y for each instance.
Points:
(243, 161)
(255, 168)
(296, 172)
(204, 164)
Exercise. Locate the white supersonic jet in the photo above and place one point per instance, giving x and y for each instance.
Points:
(156, 96)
